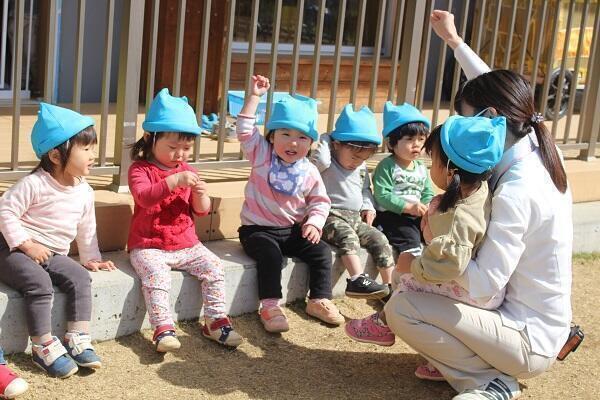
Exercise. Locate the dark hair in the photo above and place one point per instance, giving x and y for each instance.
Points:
(142, 149)
(84, 138)
(453, 192)
(510, 94)
(411, 130)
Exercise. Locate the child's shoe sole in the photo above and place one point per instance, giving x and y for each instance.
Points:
(368, 296)
(91, 365)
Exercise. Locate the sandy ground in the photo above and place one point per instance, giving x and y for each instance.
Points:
(311, 361)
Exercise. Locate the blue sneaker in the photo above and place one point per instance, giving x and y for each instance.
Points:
(81, 350)
(54, 359)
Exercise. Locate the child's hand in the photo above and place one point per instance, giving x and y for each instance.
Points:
(200, 188)
(442, 23)
(367, 216)
(187, 178)
(37, 252)
(260, 85)
(96, 266)
(311, 233)
(415, 209)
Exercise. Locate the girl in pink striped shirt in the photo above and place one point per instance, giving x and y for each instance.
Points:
(286, 204)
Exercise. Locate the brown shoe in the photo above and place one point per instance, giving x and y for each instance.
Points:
(324, 310)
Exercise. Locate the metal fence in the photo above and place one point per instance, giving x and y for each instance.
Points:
(518, 34)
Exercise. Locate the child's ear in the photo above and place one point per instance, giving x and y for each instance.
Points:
(491, 112)
(54, 156)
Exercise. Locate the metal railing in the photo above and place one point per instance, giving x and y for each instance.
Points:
(507, 34)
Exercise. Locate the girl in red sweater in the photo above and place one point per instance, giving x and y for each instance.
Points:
(167, 191)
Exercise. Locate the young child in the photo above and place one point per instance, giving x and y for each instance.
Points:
(340, 157)
(11, 385)
(402, 187)
(286, 204)
(463, 151)
(40, 215)
(167, 192)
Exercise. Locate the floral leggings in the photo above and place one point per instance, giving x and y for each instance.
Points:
(154, 266)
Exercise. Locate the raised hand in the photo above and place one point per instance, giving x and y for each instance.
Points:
(442, 23)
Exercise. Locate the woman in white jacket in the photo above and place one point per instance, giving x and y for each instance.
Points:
(482, 353)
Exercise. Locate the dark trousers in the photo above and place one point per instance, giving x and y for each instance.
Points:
(268, 245)
(402, 230)
(34, 282)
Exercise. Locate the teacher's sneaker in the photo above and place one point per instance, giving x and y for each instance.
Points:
(11, 385)
(495, 390)
(54, 359)
(370, 330)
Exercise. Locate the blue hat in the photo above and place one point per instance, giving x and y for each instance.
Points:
(54, 126)
(475, 144)
(295, 112)
(357, 126)
(396, 116)
(170, 114)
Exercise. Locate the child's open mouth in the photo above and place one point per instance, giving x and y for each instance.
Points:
(291, 153)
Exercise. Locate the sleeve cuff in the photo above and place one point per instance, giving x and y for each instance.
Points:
(316, 221)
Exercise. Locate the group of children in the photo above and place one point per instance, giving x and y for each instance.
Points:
(294, 197)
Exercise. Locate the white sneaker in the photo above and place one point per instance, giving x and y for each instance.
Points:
(495, 390)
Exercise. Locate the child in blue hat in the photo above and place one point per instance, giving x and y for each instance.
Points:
(168, 193)
(286, 204)
(40, 216)
(463, 152)
(340, 157)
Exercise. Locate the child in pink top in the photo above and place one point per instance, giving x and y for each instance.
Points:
(167, 192)
(286, 204)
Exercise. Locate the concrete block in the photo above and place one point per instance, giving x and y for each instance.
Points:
(586, 227)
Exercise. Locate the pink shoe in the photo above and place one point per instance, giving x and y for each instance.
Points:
(429, 373)
(370, 330)
(11, 385)
(274, 320)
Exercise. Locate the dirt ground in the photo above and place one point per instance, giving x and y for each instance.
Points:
(311, 361)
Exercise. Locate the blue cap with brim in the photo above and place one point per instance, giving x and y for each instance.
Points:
(170, 114)
(475, 144)
(356, 126)
(54, 126)
(295, 112)
(396, 116)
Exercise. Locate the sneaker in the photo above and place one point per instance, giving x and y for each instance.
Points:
(221, 331)
(429, 373)
(495, 390)
(274, 320)
(54, 359)
(11, 385)
(80, 349)
(166, 339)
(370, 330)
(385, 299)
(364, 287)
(324, 310)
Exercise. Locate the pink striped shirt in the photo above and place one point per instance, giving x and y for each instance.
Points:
(266, 207)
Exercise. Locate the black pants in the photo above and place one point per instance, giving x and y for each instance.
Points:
(34, 282)
(402, 230)
(267, 245)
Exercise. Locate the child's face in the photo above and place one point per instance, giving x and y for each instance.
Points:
(170, 149)
(439, 173)
(81, 159)
(409, 148)
(351, 157)
(290, 145)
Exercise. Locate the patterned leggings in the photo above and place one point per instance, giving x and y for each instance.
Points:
(154, 266)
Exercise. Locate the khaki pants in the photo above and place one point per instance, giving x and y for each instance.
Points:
(468, 345)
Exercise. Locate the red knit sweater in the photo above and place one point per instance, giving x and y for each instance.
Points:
(162, 219)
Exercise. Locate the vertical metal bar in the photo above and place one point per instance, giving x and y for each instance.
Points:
(495, 35)
(540, 33)
(550, 60)
(202, 72)
(128, 93)
(274, 51)
(252, 43)
(317, 53)
(456, 75)
(4, 34)
(50, 53)
(510, 34)
(297, 42)
(79, 56)
(358, 49)
(563, 67)
(28, 66)
(336, 63)
(439, 79)
(396, 48)
(480, 26)
(525, 37)
(226, 77)
(377, 53)
(108, 44)
(411, 47)
(152, 53)
(424, 56)
(179, 47)
(573, 91)
(16, 83)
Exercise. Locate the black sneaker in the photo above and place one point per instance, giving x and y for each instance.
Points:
(364, 287)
